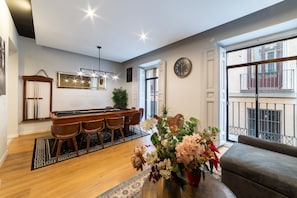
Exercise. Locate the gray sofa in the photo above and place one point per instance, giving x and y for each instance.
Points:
(258, 168)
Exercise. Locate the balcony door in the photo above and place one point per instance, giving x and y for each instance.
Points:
(262, 92)
(151, 92)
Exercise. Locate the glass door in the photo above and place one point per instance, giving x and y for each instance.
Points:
(151, 92)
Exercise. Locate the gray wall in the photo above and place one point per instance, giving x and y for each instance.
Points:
(34, 58)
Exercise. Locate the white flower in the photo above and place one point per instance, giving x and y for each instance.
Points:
(165, 143)
(152, 158)
(165, 168)
(149, 124)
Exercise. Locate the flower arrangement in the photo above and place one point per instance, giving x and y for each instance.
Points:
(180, 151)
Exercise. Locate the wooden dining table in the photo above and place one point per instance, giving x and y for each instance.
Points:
(63, 117)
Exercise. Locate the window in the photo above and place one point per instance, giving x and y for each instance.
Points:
(261, 92)
(270, 74)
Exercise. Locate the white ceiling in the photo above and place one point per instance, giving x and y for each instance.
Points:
(62, 24)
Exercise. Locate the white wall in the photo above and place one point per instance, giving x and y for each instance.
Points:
(12, 92)
(9, 34)
(34, 57)
(198, 94)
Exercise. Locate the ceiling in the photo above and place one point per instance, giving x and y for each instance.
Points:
(116, 24)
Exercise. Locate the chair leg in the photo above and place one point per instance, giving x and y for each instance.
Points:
(121, 130)
(75, 145)
(58, 150)
(127, 127)
(88, 142)
(53, 148)
(112, 136)
(100, 139)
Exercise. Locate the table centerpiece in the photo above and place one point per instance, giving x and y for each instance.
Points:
(182, 153)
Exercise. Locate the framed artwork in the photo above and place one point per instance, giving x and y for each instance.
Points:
(2, 67)
(70, 80)
(129, 74)
(101, 82)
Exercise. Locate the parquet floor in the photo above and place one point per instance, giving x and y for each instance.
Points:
(85, 176)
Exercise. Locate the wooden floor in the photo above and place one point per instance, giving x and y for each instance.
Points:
(85, 176)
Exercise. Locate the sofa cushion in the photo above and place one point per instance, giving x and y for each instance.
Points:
(271, 169)
(269, 145)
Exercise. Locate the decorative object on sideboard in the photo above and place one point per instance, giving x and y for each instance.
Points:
(94, 73)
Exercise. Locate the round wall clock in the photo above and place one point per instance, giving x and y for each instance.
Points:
(182, 67)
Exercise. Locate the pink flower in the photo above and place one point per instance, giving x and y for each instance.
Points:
(189, 149)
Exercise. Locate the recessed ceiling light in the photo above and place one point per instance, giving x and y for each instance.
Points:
(143, 36)
(90, 13)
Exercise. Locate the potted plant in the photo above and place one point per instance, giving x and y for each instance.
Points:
(120, 98)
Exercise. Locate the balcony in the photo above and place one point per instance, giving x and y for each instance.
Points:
(282, 81)
(276, 120)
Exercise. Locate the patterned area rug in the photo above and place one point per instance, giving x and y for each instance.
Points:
(131, 187)
(44, 156)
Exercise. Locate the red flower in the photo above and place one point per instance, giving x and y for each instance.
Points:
(213, 147)
(215, 162)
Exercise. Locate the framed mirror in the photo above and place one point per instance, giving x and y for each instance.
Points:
(70, 80)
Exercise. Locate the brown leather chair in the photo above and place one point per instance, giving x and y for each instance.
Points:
(63, 132)
(132, 120)
(115, 123)
(142, 112)
(175, 122)
(93, 127)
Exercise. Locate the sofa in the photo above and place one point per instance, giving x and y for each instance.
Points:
(254, 167)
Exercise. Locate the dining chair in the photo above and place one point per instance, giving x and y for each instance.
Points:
(92, 127)
(63, 132)
(115, 123)
(175, 122)
(132, 121)
(142, 113)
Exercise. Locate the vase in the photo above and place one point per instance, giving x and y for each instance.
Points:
(168, 189)
(194, 179)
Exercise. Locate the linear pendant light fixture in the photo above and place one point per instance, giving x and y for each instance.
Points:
(97, 73)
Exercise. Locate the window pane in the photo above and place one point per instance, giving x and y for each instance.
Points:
(152, 73)
(279, 49)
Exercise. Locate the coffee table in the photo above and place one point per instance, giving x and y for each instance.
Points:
(210, 187)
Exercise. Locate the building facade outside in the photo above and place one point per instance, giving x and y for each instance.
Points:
(262, 92)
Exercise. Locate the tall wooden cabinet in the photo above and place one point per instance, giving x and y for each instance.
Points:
(37, 98)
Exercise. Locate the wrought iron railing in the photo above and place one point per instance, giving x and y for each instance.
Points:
(276, 121)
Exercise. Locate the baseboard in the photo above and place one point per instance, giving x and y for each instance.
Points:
(33, 132)
(3, 157)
